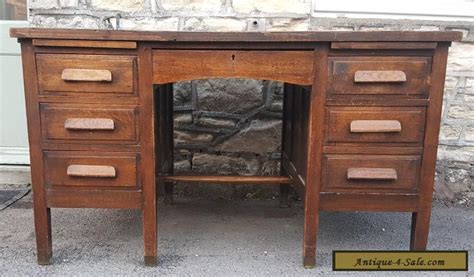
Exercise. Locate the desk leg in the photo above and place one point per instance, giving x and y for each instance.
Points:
(421, 218)
(420, 226)
(314, 145)
(284, 188)
(43, 234)
(311, 218)
(150, 232)
(147, 134)
(311, 189)
(42, 213)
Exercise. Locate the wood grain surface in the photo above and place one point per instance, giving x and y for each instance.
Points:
(361, 117)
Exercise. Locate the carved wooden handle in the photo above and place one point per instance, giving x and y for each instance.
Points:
(376, 126)
(105, 124)
(100, 171)
(86, 75)
(382, 76)
(361, 173)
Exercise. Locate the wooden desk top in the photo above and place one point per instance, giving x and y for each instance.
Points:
(378, 36)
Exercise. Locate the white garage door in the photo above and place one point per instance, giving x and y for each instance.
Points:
(13, 133)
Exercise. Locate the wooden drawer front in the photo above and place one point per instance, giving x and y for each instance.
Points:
(91, 169)
(294, 67)
(375, 125)
(370, 173)
(86, 74)
(402, 76)
(76, 123)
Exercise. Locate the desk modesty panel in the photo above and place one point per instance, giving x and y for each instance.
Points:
(361, 119)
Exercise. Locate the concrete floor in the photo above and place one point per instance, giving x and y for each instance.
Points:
(215, 238)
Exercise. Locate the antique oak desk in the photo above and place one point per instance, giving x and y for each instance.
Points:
(361, 118)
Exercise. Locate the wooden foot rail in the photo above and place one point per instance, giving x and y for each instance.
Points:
(270, 180)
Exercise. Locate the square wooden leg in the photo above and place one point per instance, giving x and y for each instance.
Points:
(310, 234)
(44, 244)
(315, 119)
(150, 261)
(420, 226)
(150, 233)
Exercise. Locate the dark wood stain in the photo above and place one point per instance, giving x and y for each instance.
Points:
(361, 118)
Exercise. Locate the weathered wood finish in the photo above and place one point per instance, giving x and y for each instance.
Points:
(367, 173)
(91, 169)
(379, 75)
(41, 209)
(370, 202)
(89, 124)
(147, 131)
(85, 43)
(371, 173)
(421, 218)
(94, 198)
(340, 125)
(314, 139)
(375, 126)
(215, 37)
(361, 117)
(383, 45)
(51, 69)
(86, 75)
(98, 171)
(286, 66)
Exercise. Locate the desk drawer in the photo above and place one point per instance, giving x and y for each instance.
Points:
(86, 74)
(399, 76)
(375, 125)
(80, 123)
(371, 173)
(91, 169)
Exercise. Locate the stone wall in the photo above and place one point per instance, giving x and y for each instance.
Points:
(227, 126)
(217, 132)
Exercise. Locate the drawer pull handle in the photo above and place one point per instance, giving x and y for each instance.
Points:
(361, 173)
(86, 75)
(376, 126)
(374, 76)
(105, 124)
(99, 171)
